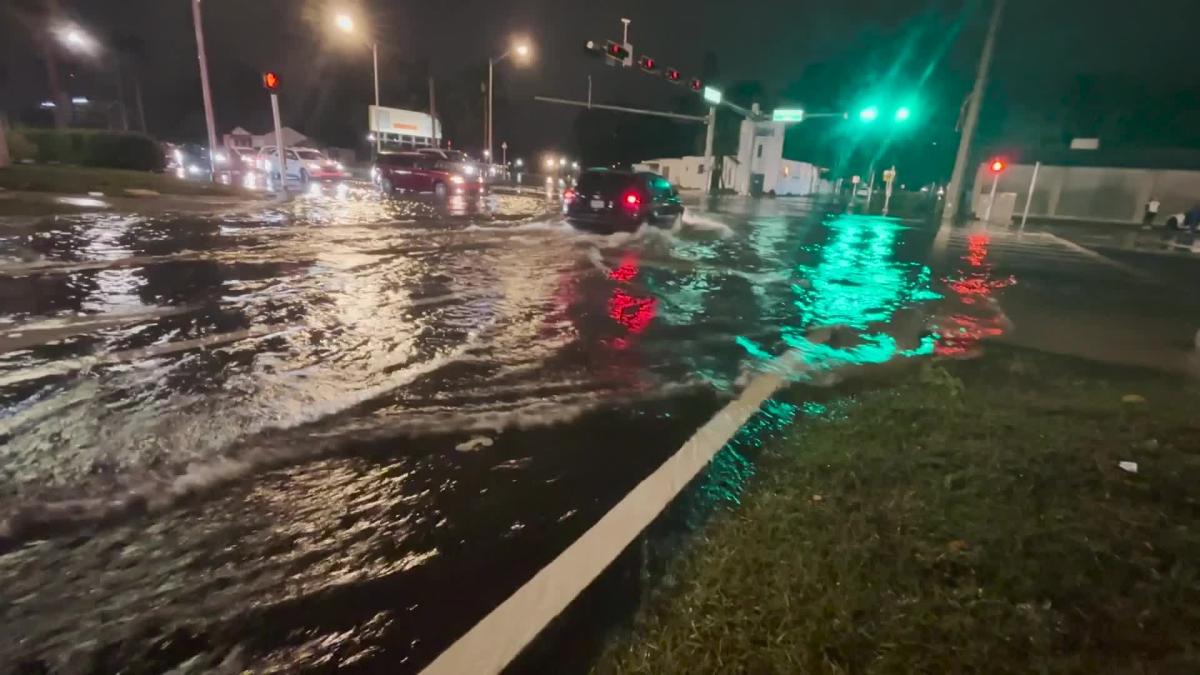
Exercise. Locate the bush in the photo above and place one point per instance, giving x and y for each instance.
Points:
(20, 148)
(90, 147)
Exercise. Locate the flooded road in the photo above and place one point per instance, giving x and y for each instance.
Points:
(337, 432)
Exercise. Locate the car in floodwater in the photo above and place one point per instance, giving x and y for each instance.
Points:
(418, 172)
(303, 164)
(607, 201)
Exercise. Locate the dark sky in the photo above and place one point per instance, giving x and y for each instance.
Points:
(1135, 49)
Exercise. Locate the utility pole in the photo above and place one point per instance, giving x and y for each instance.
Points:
(709, 164)
(491, 80)
(375, 63)
(433, 114)
(954, 190)
(207, 92)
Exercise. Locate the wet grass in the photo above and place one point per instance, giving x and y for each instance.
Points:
(974, 519)
(112, 182)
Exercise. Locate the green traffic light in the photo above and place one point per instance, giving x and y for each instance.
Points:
(869, 114)
(903, 114)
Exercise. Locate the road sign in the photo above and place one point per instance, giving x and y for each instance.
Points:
(855, 180)
(270, 81)
(712, 95)
(503, 145)
(889, 175)
(787, 115)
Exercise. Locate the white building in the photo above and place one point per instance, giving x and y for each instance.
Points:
(687, 173)
(758, 169)
(240, 138)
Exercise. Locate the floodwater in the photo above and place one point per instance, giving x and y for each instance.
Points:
(336, 433)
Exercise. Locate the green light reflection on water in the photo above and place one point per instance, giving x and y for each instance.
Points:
(856, 283)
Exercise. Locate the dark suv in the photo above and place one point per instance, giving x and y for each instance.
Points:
(423, 172)
(613, 201)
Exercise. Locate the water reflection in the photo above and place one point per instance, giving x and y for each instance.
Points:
(977, 315)
(857, 285)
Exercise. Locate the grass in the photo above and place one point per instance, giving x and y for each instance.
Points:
(112, 182)
(972, 520)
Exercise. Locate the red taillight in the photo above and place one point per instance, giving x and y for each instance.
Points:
(632, 199)
(569, 195)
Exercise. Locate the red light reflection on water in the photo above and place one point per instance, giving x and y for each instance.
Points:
(975, 287)
(634, 313)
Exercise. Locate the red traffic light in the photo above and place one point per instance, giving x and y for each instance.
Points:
(616, 51)
(270, 81)
(673, 75)
(696, 84)
(647, 63)
(998, 166)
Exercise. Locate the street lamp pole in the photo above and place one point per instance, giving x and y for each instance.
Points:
(207, 92)
(375, 59)
(491, 80)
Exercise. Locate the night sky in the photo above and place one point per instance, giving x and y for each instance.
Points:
(1066, 63)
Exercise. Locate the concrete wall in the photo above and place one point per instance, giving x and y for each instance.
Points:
(1093, 193)
(686, 173)
(797, 179)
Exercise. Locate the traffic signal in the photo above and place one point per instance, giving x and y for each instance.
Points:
(696, 84)
(270, 81)
(647, 64)
(998, 166)
(592, 48)
(673, 76)
(615, 51)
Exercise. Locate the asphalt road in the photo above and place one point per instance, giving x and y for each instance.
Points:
(337, 432)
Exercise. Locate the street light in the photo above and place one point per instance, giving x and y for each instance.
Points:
(903, 114)
(523, 51)
(869, 114)
(345, 23)
(550, 163)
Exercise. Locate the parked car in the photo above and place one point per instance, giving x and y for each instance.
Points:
(423, 172)
(609, 201)
(303, 164)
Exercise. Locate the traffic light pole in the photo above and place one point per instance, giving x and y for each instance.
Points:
(280, 151)
(987, 216)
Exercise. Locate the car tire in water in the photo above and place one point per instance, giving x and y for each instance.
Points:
(304, 177)
(439, 189)
(386, 186)
(1173, 223)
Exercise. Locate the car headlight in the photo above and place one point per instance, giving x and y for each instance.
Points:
(221, 158)
(340, 166)
(468, 169)
(457, 180)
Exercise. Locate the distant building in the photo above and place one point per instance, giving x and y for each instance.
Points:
(240, 138)
(1109, 185)
(686, 173)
